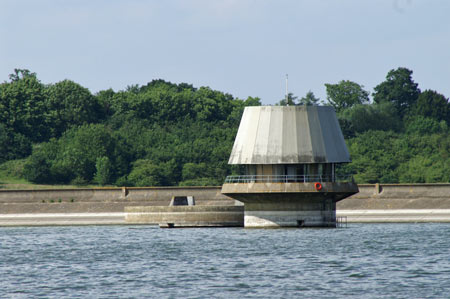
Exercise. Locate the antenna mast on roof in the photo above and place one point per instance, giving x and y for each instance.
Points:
(287, 95)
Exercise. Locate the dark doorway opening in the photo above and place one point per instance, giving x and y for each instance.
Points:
(300, 223)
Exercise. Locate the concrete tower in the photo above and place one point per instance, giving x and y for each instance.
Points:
(290, 155)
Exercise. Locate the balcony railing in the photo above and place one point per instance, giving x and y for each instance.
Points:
(286, 178)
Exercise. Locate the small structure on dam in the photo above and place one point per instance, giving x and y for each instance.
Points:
(289, 156)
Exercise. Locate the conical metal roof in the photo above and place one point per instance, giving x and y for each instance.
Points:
(289, 134)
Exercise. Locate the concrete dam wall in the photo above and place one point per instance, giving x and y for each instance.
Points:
(98, 200)
(373, 203)
(397, 203)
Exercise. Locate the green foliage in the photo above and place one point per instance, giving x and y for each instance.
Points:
(38, 167)
(79, 181)
(424, 125)
(362, 118)
(164, 134)
(290, 100)
(79, 149)
(387, 157)
(13, 145)
(374, 157)
(432, 105)
(422, 169)
(309, 99)
(399, 89)
(12, 169)
(346, 94)
(73, 156)
(70, 104)
(104, 171)
(198, 174)
(194, 170)
(22, 105)
(105, 101)
(146, 173)
(200, 182)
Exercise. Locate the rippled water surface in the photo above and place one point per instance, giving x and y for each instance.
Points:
(363, 260)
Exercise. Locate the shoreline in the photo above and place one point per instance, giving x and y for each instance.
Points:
(118, 218)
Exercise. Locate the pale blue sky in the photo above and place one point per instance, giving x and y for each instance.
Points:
(241, 47)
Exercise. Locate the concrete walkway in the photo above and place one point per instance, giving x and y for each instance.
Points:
(395, 215)
(44, 219)
(353, 216)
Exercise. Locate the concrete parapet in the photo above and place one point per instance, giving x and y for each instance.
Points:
(403, 190)
(186, 216)
(203, 195)
(398, 196)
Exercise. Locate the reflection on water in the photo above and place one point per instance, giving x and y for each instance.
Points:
(364, 260)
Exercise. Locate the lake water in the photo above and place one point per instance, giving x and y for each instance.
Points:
(363, 260)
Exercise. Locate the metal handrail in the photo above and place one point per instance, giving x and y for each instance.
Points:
(341, 221)
(285, 178)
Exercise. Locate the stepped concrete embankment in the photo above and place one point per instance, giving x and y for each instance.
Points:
(96, 206)
(384, 203)
(415, 202)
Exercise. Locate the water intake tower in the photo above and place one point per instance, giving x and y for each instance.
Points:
(289, 156)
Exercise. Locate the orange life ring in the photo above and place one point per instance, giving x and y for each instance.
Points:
(318, 186)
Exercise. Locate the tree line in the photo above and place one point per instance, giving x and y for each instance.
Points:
(163, 134)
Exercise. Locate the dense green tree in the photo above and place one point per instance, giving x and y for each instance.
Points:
(361, 118)
(13, 145)
(197, 174)
(424, 125)
(428, 158)
(38, 167)
(423, 169)
(164, 134)
(79, 150)
(105, 100)
(433, 105)
(346, 94)
(104, 171)
(194, 170)
(374, 157)
(399, 89)
(290, 100)
(147, 173)
(22, 105)
(309, 99)
(70, 104)
(73, 157)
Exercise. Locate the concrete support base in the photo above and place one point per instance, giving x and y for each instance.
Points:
(272, 204)
(186, 216)
(269, 219)
(294, 213)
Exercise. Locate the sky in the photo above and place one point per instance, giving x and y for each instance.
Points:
(241, 47)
